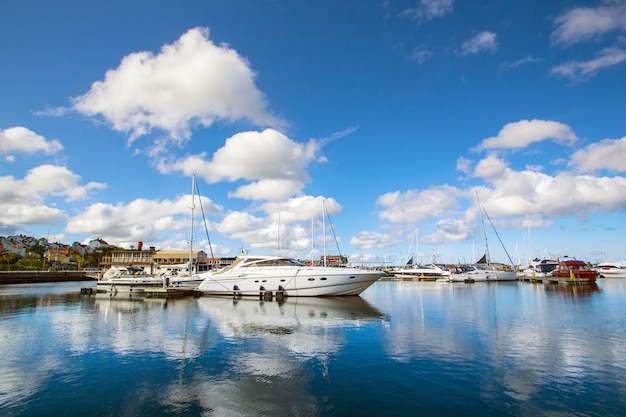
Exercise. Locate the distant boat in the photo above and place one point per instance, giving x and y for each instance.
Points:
(484, 270)
(574, 270)
(486, 273)
(131, 279)
(611, 269)
(423, 272)
(259, 275)
(416, 271)
(540, 268)
(134, 279)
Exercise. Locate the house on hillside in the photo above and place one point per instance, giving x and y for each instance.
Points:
(98, 244)
(11, 245)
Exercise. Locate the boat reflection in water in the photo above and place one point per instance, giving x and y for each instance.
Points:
(238, 317)
(277, 356)
(572, 290)
(126, 303)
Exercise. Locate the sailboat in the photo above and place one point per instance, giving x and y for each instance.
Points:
(188, 277)
(413, 270)
(483, 270)
(135, 280)
(538, 268)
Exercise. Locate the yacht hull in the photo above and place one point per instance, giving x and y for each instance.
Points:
(484, 276)
(303, 282)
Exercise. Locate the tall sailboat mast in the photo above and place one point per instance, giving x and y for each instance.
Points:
(193, 206)
(417, 250)
(324, 227)
(480, 209)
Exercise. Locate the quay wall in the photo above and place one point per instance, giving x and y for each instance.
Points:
(30, 277)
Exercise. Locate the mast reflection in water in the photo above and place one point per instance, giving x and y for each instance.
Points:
(402, 348)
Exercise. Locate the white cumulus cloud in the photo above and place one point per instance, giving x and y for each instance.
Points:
(24, 201)
(190, 82)
(412, 205)
(371, 240)
(525, 132)
(608, 154)
(274, 165)
(519, 193)
(138, 220)
(21, 139)
(301, 209)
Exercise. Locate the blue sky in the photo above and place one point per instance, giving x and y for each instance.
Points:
(394, 115)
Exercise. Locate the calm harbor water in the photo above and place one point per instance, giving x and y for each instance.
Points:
(402, 348)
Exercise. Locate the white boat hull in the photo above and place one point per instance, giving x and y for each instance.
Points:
(431, 271)
(484, 276)
(303, 282)
(611, 271)
(127, 286)
(611, 274)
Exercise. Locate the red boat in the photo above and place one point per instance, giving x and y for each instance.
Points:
(575, 270)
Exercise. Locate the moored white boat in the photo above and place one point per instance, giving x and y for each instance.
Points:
(128, 280)
(484, 270)
(484, 274)
(538, 269)
(134, 279)
(611, 269)
(423, 272)
(252, 275)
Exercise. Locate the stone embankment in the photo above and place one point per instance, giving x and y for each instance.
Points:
(28, 277)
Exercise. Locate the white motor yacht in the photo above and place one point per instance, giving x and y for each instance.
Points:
(611, 270)
(543, 268)
(252, 275)
(128, 280)
(484, 274)
(423, 272)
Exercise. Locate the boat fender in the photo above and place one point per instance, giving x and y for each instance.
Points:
(261, 292)
(236, 292)
(281, 294)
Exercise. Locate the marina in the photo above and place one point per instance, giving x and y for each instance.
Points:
(400, 348)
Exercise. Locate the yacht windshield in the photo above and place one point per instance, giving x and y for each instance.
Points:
(273, 262)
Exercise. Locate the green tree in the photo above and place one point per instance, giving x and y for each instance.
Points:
(8, 261)
(30, 263)
(37, 249)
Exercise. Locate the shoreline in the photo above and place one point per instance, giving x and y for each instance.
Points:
(31, 277)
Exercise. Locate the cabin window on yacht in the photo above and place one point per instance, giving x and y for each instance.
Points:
(278, 262)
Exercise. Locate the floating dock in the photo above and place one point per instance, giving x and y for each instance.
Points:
(171, 292)
(556, 280)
